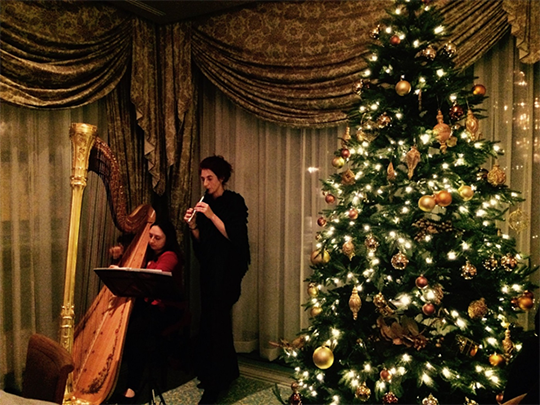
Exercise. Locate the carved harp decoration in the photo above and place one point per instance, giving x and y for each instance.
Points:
(98, 339)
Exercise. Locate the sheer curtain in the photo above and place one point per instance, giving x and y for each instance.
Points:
(277, 170)
(513, 110)
(35, 157)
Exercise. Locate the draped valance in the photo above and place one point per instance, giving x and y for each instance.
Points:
(61, 54)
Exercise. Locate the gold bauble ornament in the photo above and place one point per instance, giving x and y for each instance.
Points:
(315, 310)
(429, 52)
(323, 357)
(442, 131)
(312, 290)
(499, 397)
(466, 192)
(468, 271)
(355, 303)
(362, 392)
(479, 90)
(525, 303)
(338, 162)
(491, 263)
(509, 262)
(449, 49)
(518, 221)
(478, 309)
(383, 121)
(348, 249)
(430, 400)
(443, 198)
(375, 32)
(411, 159)
(426, 203)
(320, 257)
(496, 359)
(399, 261)
(403, 87)
(496, 176)
(371, 243)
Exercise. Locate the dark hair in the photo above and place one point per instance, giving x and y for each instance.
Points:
(221, 168)
(171, 242)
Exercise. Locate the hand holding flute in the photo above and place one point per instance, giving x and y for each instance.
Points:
(190, 214)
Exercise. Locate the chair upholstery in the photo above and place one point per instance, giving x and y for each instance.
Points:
(48, 365)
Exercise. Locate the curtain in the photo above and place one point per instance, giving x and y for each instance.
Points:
(35, 158)
(277, 170)
(61, 54)
(296, 63)
(513, 112)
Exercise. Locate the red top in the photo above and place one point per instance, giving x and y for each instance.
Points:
(168, 262)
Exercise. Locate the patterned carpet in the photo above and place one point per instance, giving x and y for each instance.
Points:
(258, 384)
(244, 391)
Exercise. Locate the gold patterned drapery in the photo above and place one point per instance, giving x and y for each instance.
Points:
(293, 63)
(61, 54)
(524, 17)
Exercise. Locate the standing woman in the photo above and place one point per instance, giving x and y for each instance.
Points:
(218, 225)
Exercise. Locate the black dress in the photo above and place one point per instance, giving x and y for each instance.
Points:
(223, 262)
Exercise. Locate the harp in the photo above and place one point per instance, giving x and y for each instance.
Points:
(96, 343)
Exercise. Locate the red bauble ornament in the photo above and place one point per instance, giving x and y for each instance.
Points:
(456, 112)
(353, 213)
(479, 90)
(499, 398)
(389, 398)
(385, 375)
(321, 221)
(329, 198)
(428, 309)
(421, 282)
(395, 40)
(345, 153)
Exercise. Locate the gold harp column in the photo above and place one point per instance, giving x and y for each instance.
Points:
(82, 138)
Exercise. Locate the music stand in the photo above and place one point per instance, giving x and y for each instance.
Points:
(131, 282)
(140, 283)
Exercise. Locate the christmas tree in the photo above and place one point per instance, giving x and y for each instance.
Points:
(415, 290)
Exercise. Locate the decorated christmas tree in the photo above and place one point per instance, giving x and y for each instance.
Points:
(415, 289)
